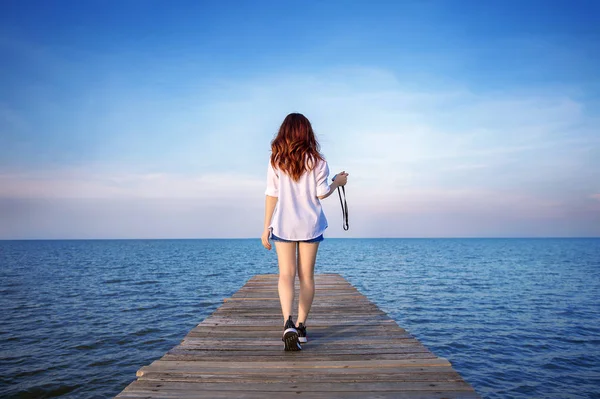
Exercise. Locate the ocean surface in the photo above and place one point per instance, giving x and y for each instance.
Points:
(518, 318)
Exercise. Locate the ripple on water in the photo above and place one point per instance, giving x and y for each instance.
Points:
(47, 391)
(145, 331)
(116, 281)
(102, 362)
(141, 308)
(146, 282)
(89, 345)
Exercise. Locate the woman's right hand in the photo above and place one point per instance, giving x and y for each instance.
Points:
(265, 238)
(341, 178)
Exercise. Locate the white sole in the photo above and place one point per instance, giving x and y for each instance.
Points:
(290, 330)
(290, 340)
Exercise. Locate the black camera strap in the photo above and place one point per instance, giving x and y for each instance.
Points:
(344, 207)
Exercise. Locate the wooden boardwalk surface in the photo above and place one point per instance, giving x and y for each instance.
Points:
(354, 350)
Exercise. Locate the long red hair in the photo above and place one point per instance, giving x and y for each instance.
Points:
(295, 149)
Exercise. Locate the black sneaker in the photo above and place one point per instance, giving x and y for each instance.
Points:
(302, 333)
(290, 336)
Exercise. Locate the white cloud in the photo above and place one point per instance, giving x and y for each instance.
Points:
(98, 184)
(369, 121)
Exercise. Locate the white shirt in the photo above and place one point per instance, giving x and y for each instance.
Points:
(298, 214)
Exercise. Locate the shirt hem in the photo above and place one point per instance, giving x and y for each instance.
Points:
(298, 239)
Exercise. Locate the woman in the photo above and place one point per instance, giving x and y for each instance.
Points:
(296, 182)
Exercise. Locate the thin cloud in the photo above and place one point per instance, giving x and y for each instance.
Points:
(97, 184)
(437, 153)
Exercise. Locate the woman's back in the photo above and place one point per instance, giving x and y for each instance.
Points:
(298, 214)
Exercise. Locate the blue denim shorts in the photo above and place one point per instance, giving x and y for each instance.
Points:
(316, 239)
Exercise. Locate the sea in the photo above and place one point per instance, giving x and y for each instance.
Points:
(516, 317)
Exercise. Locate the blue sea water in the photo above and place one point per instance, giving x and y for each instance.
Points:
(518, 318)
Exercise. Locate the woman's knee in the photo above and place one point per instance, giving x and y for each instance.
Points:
(306, 278)
(287, 276)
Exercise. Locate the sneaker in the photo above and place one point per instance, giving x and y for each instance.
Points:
(290, 336)
(302, 333)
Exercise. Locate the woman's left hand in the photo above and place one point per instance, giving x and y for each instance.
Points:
(265, 239)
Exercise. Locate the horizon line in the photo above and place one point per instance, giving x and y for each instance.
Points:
(334, 238)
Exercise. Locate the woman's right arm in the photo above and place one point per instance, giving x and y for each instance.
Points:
(332, 188)
(340, 180)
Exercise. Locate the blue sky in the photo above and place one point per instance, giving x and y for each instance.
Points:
(152, 119)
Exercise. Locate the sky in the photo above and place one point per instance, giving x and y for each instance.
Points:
(153, 119)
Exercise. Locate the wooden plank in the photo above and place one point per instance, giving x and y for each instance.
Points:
(331, 378)
(306, 372)
(331, 341)
(297, 364)
(283, 358)
(312, 387)
(339, 329)
(269, 344)
(154, 394)
(355, 351)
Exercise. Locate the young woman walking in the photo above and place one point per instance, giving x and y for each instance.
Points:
(297, 179)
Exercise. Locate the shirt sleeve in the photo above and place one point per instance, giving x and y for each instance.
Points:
(322, 177)
(272, 182)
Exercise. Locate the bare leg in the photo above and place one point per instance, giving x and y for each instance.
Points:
(286, 257)
(307, 254)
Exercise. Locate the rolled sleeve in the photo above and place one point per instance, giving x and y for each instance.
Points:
(272, 182)
(322, 177)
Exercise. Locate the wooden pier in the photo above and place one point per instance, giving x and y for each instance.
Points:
(354, 350)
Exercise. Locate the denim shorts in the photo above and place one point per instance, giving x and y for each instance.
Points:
(316, 239)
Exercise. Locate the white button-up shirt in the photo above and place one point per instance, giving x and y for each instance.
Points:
(298, 215)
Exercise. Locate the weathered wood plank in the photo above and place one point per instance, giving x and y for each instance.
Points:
(286, 357)
(270, 344)
(306, 372)
(400, 339)
(312, 395)
(274, 378)
(312, 387)
(297, 364)
(355, 350)
(139, 394)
